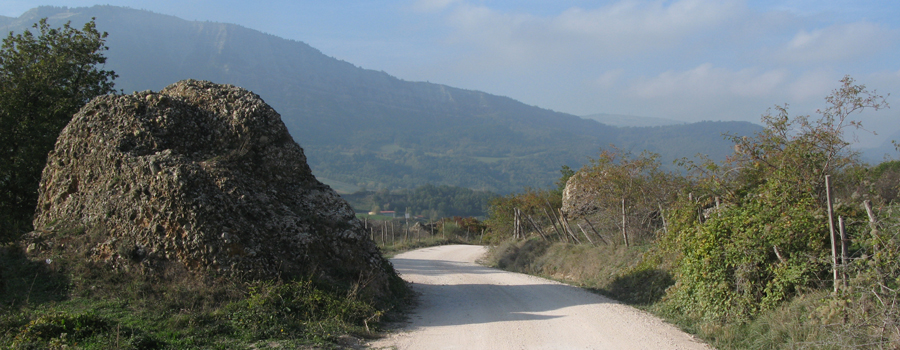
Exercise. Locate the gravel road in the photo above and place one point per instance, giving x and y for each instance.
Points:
(463, 305)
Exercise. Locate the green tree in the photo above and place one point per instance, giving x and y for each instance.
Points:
(44, 80)
(566, 172)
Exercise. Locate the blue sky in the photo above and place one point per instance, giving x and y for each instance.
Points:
(687, 60)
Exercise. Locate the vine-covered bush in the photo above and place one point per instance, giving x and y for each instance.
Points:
(766, 237)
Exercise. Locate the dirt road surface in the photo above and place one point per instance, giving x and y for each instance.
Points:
(463, 305)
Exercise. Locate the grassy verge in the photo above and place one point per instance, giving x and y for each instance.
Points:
(71, 303)
(622, 273)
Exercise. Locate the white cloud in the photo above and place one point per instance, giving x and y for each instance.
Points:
(840, 42)
(707, 82)
(813, 85)
(432, 5)
(609, 78)
(623, 28)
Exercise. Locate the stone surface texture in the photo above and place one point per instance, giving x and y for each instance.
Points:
(205, 176)
(579, 197)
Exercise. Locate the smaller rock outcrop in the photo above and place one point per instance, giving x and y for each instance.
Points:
(579, 197)
(204, 176)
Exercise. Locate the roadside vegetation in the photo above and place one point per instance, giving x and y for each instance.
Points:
(68, 302)
(739, 252)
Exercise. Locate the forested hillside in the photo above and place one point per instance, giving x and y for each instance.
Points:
(365, 128)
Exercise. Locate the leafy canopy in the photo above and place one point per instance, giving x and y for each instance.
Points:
(44, 80)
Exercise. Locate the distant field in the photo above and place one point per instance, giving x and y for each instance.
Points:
(491, 160)
(390, 148)
(339, 186)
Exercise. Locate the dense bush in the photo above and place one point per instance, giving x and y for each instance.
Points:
(770, 238)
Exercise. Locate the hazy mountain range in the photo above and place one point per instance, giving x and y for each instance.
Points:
(365, 128)
(631, 120)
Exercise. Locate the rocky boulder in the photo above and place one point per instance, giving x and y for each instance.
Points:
(203, 176)
(579, 197)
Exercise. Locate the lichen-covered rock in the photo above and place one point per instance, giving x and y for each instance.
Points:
(205, 176)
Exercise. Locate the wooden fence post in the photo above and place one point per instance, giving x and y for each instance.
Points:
(585, 234)
(834, 269)
(845, 257)
(662, 214)
(558, 233)
(595, 231)
(536, 227)
(565, 223)
(624, 230)
(872, 224)
(517, 228)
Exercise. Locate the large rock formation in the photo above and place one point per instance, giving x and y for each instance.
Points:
(201, 175)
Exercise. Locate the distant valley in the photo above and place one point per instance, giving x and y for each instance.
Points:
(364, 129)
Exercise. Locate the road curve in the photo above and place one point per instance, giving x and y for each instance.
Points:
(463, 305)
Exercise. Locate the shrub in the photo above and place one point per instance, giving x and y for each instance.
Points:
(59, 328)
(297, 310)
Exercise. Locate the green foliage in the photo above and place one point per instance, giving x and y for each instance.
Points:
(639, 286)
(285, 310)
(866, 312)
(64, 300)
(885, 180)
(769, 240)
(729, 268)
(44, 80)
(58, 329)
(566, 173)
